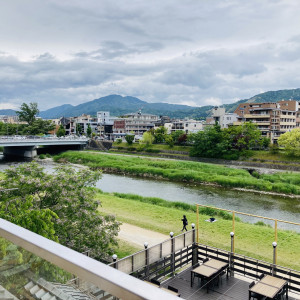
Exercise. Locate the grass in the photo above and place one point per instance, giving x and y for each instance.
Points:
(287, 183)
(251, 240)
(154, 147)
(267, 155)
(124, 249)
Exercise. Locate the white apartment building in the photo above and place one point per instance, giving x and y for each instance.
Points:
(188, 126)
(224, 119)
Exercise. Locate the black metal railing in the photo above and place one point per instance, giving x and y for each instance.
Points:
(250, 267)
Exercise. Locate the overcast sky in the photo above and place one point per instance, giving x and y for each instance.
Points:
(196, 52)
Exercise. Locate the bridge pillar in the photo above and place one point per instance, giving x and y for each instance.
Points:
(26, 151)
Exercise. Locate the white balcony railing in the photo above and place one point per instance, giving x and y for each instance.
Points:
(113, 281)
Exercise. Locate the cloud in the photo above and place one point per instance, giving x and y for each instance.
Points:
(8, 106)
(116, 49)
(198, 52)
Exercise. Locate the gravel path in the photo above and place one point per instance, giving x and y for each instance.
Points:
(138, 236)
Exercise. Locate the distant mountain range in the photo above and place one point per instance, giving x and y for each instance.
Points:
(7, 112)
(118, 105)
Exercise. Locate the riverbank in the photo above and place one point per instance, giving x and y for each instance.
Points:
(283, 183)
(251, 240)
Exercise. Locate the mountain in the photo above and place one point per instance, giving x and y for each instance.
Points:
(7, 112)
(56, 112)
(118, 105)
(271, 96)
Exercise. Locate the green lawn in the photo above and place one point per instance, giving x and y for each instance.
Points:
(251, 240)
(175, 170)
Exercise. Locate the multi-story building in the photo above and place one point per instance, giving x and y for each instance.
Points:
(188, 126)
(219, 115)
(272, 119)
(139, 123)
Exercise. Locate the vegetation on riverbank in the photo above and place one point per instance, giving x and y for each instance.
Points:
(251, 240)
(286, 183)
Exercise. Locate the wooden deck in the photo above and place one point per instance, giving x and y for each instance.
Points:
(231, 288)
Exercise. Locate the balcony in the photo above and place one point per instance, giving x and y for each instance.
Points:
(252, 116)
(48, 270)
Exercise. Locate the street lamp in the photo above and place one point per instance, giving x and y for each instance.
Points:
(274, 244)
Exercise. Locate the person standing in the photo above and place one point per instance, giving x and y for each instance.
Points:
(184, 222)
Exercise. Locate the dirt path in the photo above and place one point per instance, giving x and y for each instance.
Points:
(138, 236)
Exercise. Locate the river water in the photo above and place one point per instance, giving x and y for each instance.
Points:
(264, 205)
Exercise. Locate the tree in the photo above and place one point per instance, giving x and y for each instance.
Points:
(59, 206)
(78, 129)
(89, 131)
(169, 140)
(148, 138)
(160, 134)
(209, 142)
(290, 141)
(244, 137)
(129, 138)
(61, 131)
(28, 113)
(176, 134)
(39, 126)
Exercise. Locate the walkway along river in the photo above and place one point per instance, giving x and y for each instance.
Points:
(253, 203)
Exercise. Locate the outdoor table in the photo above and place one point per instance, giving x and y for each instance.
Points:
(269, 286)
(208, 269)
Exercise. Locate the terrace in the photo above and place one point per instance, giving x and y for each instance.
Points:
(33, 267)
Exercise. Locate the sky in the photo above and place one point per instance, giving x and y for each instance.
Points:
(193, 52)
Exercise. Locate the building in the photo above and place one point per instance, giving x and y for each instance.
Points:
(137, 123)
(188, 126)
(224, 119)
(272, 119)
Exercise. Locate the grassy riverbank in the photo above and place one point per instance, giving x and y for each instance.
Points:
(251, 240)
(286, 183)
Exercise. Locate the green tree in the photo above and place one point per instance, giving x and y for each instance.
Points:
(39, 126)
(169, 140)
(147, 139)
(60, 205)
(28, 113)
(61, 131)
(129, 138)
(89, 131)
(244, 137)
(78, 129)
(176, 134)
(290, 141)
(209, 143)
(160, 134)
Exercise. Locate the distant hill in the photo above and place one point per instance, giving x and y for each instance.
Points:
(118, 105)
(271, 96)
(7, 112)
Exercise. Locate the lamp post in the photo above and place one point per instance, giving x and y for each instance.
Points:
(172, 252)
(146, 245)
(114, 257)
(274, 244)
(232, 253)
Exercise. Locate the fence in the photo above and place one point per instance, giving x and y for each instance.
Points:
(250, 267)
(159, 260)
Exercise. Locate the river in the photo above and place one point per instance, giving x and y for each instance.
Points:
(252, 203)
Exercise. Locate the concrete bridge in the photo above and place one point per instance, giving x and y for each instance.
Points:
(26, 147)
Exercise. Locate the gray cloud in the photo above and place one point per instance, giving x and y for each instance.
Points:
(193, 52)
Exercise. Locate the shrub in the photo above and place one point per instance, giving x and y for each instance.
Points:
(118, 141)
(42, 156)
